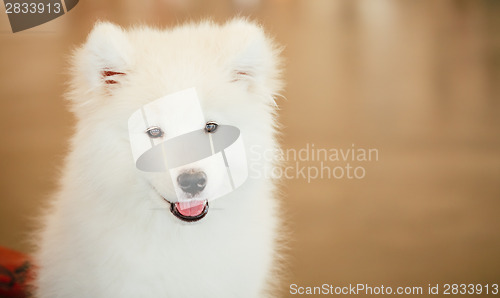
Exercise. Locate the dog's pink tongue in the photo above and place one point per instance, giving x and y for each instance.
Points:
(190, 208)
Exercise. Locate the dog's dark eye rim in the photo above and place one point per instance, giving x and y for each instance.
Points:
(211, 126)
(154, 132)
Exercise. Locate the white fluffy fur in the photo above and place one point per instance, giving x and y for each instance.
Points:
(107, 232)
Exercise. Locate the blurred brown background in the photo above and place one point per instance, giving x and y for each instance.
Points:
(417, 80)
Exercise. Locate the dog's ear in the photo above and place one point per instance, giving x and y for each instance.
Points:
(104, 60)
(257, 61)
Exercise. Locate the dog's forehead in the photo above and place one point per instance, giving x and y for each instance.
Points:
(176, 111)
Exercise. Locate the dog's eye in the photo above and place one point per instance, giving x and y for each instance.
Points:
(154, 132)
(211, 126)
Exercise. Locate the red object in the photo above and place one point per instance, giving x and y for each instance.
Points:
(16, 272)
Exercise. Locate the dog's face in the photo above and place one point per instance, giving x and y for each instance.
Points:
(204, 160)
(234, 70)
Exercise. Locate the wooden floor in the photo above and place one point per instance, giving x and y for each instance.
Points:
(416, 80)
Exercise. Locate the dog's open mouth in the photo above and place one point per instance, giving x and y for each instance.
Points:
(190, 210)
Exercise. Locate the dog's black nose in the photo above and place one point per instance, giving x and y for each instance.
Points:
(192, 182)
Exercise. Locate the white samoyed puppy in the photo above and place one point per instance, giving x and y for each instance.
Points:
(115, 231)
